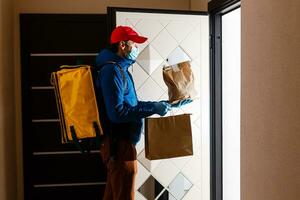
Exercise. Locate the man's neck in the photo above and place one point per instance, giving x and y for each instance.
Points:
(121, 54)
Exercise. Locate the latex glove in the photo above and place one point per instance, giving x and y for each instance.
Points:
(181, 103)
(162, 108)
(165, 101)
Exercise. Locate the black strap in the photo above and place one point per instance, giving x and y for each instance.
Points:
(121, 71)
(76, 141)
(112, 138)
(85, 146)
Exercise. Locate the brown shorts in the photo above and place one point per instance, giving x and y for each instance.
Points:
(121, 172)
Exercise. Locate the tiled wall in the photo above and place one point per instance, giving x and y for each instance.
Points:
(184, 178)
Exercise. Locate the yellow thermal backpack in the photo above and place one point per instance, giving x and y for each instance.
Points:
(77, 105)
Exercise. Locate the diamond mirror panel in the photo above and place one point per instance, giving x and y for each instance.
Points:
(151, 188)
(180, 186)
(173, 38)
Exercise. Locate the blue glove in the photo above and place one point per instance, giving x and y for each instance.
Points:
(162, 108)
(165, 101)
(181, 103)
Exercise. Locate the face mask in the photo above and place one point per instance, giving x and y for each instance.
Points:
(133, 53)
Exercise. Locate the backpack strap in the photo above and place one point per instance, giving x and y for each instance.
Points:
(112, 138)
(84, 146)
(121, 71)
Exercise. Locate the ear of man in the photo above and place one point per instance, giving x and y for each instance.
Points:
(122, 45)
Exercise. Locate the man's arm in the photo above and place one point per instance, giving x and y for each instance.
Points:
(117, 110)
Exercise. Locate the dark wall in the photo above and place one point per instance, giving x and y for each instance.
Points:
(53, 170)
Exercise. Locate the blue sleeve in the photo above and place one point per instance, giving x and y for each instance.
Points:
(112, 90)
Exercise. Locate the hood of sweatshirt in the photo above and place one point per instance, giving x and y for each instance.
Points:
(106, 56)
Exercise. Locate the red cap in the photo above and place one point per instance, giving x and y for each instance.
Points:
(124, 33)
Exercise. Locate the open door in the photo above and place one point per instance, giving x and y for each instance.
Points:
(171, 32)
(225, 31)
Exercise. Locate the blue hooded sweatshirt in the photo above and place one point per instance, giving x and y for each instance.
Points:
(120, 111)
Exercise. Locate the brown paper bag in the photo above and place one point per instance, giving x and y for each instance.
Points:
(168, 137)
(180, 81)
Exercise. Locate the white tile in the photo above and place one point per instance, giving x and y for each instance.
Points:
(193, 194)
(198, 122)
(133, 21)
(177, 111)
(127, 23)
(194, 23)
(149, 59)
(196, 141)
(142, 46)
(177, 56)
(197, 27)
(148, 164)
(180, 162)
(192, 170)
(171, 197)
(198, 185)
(138, 74)
(157, 76)
(165, 172)
(139, 196)
(150, 91)
(194, 119)
(164, 22)
(191, 44)
(179, 186)
(194, 108)
(164, 96)
(164, 43)
(196, 62)
(179, 29)
(196, 130)
(142, 175)
(149, 28)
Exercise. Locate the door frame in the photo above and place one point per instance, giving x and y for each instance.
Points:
(111, 13)
(216, 9)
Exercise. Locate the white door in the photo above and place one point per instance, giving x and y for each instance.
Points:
(186, 178)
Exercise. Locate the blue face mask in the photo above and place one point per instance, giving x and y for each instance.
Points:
(133, 53)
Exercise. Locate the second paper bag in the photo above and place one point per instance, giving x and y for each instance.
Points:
(180, 81)
(168, 137)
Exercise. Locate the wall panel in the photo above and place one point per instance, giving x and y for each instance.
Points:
(270, 96)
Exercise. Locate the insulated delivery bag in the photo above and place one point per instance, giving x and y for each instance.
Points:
(77, 105)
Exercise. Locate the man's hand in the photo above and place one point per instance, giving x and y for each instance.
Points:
(162, 108)
(181, 103)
